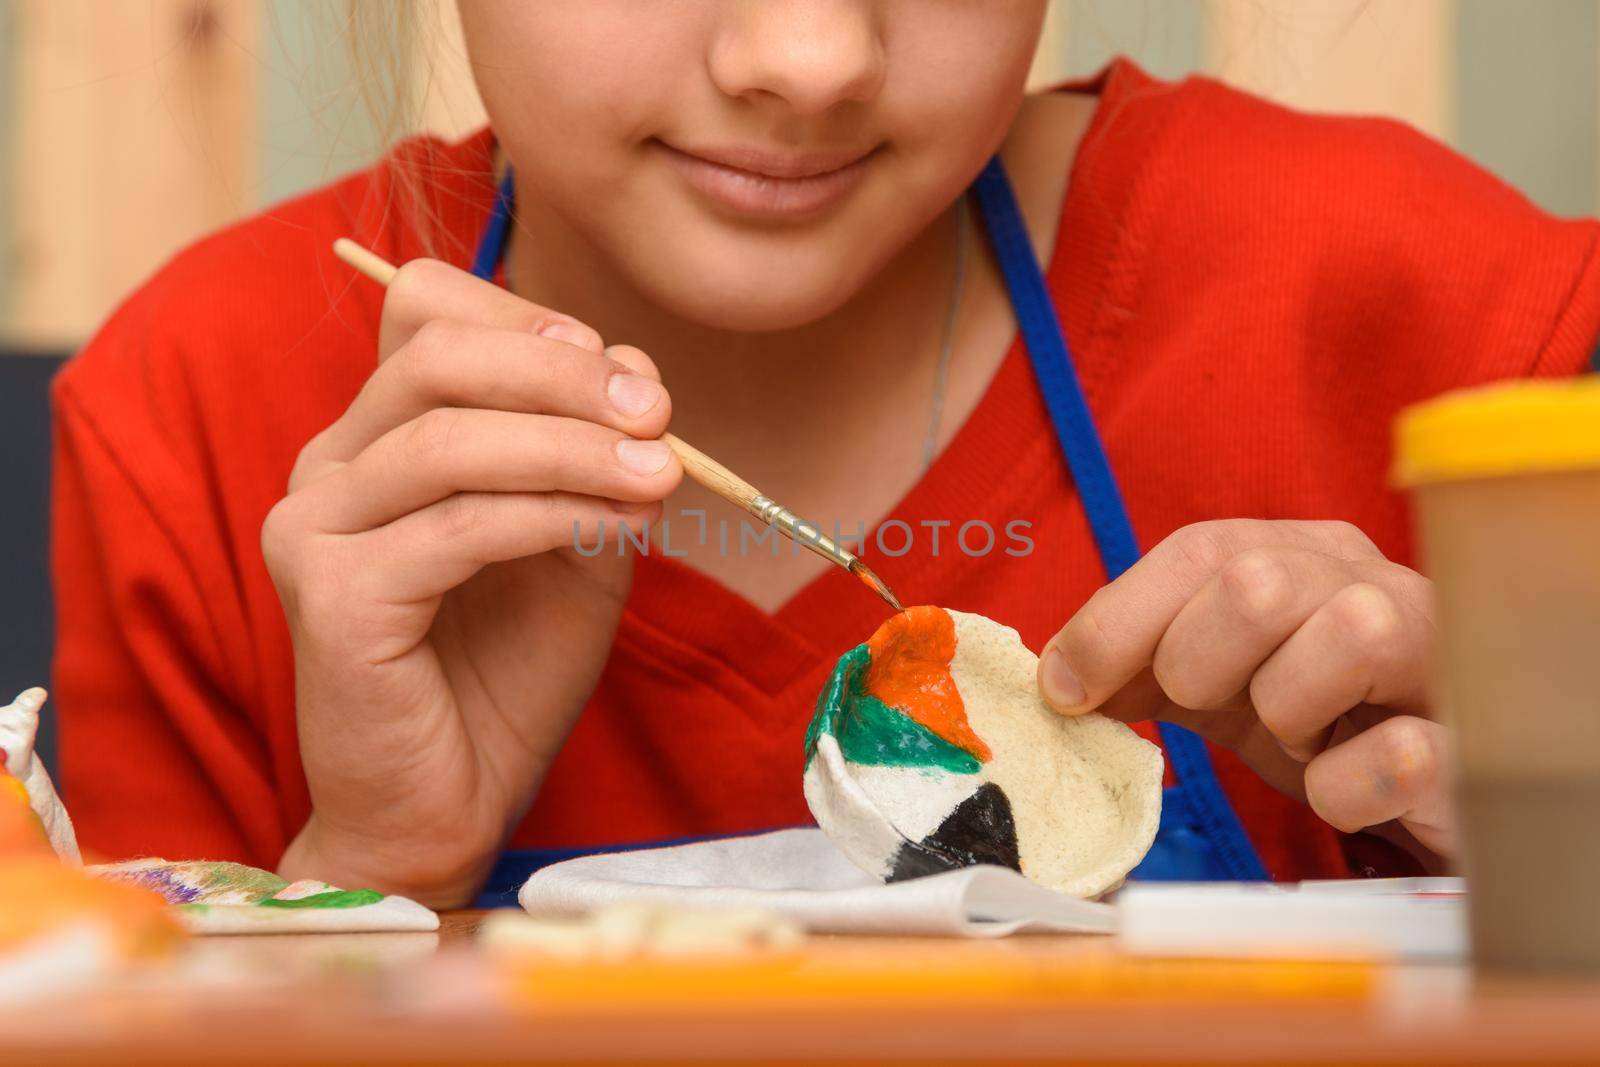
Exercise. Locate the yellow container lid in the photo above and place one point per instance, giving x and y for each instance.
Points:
(1523, 427)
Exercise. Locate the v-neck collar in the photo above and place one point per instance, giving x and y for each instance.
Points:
(996, 455)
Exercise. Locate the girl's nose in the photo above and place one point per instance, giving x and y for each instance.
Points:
(810, 54)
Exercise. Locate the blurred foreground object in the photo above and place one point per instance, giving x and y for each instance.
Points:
(623, 931)
(19, 725)
(206, 897)
(1506, 481)
(61, 928)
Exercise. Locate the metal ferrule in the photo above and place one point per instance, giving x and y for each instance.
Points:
(797, 529)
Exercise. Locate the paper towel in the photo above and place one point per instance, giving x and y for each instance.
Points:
(800, 875)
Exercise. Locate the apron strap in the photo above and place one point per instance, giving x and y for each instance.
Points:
(1046, 344)
(492, 245)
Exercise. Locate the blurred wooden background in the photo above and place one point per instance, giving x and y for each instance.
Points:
(131, 126)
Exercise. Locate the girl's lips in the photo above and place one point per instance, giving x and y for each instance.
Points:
(769, 186)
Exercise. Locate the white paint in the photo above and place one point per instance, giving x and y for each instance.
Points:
(846, 813)
(915, 799)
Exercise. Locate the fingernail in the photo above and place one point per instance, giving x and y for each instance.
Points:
(1061, 687)
(633, 394)
(643, 457)
(568, 332)
(1314, 803)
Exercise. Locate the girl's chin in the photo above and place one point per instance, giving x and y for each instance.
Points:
(751, 301)
(767, 312)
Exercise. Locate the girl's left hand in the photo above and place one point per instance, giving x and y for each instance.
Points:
(1296, 645)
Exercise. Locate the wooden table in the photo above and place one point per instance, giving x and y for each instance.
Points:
(438, 999)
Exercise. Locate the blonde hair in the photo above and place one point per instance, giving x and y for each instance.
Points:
(385, 43)
(389, 50)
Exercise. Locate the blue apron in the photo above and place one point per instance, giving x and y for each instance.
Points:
(1200, 837)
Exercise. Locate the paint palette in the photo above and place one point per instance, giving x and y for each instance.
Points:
(931, 750)
(216, 897)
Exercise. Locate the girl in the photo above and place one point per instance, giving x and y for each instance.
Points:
(329, 594)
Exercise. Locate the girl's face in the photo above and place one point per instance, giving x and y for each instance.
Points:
(748, 164)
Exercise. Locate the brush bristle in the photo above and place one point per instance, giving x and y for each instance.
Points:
(876, 584)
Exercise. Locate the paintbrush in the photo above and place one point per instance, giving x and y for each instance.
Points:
(696, 464)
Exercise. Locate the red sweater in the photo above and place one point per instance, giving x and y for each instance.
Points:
(1250, 293)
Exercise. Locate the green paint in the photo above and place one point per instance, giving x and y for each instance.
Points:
(335, 898)
(872, 733)
(213, 881)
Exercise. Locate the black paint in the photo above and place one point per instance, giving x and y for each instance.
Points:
(979, 830)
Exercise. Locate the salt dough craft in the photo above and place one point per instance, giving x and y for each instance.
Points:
(19, 725)
(211, 897)
(931, 750)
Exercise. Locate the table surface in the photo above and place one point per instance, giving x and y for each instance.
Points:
(440, 999)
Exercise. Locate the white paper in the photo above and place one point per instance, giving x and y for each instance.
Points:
(1339, 920)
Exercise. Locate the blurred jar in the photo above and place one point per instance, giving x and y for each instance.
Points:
(1506, 486)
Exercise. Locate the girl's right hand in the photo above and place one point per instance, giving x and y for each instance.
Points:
(446, 632)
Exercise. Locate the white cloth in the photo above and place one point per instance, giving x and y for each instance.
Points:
(800, 875)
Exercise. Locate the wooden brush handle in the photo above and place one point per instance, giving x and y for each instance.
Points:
(696, 464)
(366, 261)
(713, 475)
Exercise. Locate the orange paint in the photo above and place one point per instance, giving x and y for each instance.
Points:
(21, 832)
(910, 671)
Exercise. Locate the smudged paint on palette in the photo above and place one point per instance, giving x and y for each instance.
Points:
(197, 881)
(214, 897)
(332, 898)
(208, 883)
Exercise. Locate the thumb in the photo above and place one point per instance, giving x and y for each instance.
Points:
(1232, 725)
(1140, 699)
